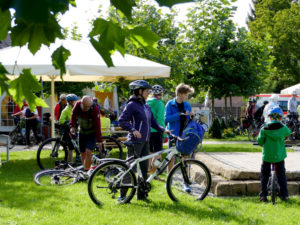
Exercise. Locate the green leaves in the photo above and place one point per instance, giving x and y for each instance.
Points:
(3, 80)
(125, 6)
(24, 87)
(5, 23)
(170, 3)
(59, 58)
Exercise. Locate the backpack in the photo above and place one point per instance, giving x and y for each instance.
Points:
(28, 113)
(194, 131)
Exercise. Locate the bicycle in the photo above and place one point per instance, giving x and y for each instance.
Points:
(112, 177)
(293, 124)
(64, 174)
(55, 149)
(17, 136)
(273, 186)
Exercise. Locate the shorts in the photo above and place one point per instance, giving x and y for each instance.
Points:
(156, 142)
(87, 141)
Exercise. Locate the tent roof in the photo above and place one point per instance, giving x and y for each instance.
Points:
(84, 65)
(289, 90)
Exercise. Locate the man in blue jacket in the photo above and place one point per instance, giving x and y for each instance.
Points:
(137, 118)
(178, 110)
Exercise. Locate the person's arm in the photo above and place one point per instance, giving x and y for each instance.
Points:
(161, 114)
(74, 115)
(261, 137)
(287, 131)
(169, 116)
(56, 111)
(125, 118)
(97, 123)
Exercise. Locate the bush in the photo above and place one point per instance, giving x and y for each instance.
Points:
(229, 132)
(223, 124)
(215, 129)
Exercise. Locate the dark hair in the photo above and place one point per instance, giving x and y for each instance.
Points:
(102, 112)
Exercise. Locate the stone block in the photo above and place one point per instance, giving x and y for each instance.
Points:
(293, 188)
(252, 187)
(230, 188)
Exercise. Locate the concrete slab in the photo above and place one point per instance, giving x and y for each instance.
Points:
(244, 165)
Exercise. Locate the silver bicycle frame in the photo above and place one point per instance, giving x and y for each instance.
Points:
(172, 151)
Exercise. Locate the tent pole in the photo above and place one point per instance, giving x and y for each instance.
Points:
(52, 107)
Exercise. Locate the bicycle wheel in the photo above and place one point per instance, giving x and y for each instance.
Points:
(252, 133)
(55, 178)
(112, 146)
(273, 187)
(189, 180)
(50, 151)
(102, 185)
(13, 135)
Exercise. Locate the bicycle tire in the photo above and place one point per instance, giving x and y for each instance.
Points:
(13, 135)
(100, 187)
(199, 180)
(46, 155)
(273, 187)
(55, 178)
(113, 144)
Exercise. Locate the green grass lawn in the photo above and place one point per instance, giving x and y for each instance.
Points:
(23, 202)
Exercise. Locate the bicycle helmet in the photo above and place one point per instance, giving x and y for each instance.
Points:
(275, 112)
(72, 97)
(274, 97)
(139, 84)
(266, 102)
(294, 92)
(157, 89)
(62, 97)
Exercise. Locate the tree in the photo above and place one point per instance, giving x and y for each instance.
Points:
(277, 23)
(35, 23)
(223, 59)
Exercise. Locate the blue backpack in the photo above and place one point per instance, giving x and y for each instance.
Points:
(194, 131)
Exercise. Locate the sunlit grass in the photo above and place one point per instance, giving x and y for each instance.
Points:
(23, 202)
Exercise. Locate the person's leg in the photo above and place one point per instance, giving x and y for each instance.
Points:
(280, 171)
(152, 142)
(82, 147)
(88, 159)
(264, 178)
(34, 129)
(27, 135)
(90, 146)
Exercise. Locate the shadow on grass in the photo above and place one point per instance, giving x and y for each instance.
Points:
(18, 189)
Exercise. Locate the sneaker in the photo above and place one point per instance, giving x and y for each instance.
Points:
(186, 188)
(263, 199)
(121, 199)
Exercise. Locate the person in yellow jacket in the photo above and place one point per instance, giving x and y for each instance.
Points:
(105, 123)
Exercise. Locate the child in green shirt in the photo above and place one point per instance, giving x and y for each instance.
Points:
(271, 137)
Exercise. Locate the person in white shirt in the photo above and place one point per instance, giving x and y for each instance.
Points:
(272, 104)
(293, 104)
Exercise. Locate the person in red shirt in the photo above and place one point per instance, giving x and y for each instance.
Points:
(62, 103)
(87, 114)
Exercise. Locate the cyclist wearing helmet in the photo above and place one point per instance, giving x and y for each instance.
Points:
(65, 118)
(271, 137)
(258, 116)
(137, 118)
(272, 104)
(158, 111)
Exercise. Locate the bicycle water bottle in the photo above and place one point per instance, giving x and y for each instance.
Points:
(23, 131)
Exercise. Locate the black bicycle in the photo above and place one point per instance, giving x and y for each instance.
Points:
(18, 134)
(273, 186)
(56, 149)
(294, 125)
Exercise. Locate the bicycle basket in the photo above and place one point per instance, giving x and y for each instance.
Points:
(193, 133)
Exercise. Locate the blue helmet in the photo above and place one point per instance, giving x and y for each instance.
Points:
(72, 97)
(277, 111)
(137, 84)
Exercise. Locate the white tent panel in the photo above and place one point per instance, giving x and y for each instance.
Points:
(289, 90)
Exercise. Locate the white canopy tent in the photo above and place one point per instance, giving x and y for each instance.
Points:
(289, 90)
(84, 65)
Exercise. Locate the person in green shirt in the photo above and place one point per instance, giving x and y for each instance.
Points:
(271, 137)
(64, 121)
(105, 123)
(158, 110)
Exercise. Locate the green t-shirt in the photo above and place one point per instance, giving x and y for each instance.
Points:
(65, 115)
(158, 110)
(105, 125)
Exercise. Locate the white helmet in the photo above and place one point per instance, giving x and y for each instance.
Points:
(294, 92)
(274, 97)
(157, 89)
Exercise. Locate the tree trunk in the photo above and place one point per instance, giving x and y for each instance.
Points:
(225, 110)
(212, 108)
(230, 99)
